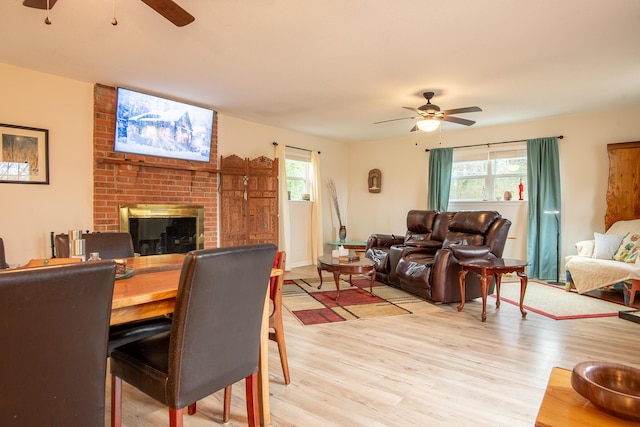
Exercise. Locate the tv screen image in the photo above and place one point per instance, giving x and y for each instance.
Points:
(155, 126)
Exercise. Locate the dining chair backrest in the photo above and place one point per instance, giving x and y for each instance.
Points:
(54, 323)
(110, 245)
(3, 259)
(278, 262)
(215, 335)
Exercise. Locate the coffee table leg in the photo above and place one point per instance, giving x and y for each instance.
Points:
(498, 279)
(461, 282)
(523, 289)
(336, 277)
(483, 286)
(320, 274)
(373, 279)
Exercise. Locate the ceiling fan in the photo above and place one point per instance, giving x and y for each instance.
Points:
(167, 8)
(431, 115)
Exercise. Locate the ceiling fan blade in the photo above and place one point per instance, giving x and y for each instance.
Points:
(415, 110)
(39, 4)
(463, 110)
(414, 128)
(457, 120)
(393, 120)
(170, 10)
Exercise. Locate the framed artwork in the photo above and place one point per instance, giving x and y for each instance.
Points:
(24, 155)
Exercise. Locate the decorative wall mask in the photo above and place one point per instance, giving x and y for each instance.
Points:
(375, 181)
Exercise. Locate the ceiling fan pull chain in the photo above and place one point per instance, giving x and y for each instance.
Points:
(46, 19)
(114, 21)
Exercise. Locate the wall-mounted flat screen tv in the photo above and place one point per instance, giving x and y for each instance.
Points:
(155, 126)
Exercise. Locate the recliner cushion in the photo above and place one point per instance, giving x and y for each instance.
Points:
(415, 269)
(454, 238)
(473, 222)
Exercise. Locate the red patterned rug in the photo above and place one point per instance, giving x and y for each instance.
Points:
(312, 306)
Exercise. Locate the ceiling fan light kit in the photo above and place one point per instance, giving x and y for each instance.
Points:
(431, 115)
(428, 125)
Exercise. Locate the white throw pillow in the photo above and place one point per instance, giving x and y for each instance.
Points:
(606, 245)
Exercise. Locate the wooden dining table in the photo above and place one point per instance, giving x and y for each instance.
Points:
(151, 291)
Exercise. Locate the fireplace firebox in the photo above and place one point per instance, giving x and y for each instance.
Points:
(161, 229)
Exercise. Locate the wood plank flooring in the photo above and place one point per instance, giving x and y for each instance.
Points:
(441, 369)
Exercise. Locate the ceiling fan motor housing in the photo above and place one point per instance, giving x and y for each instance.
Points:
(429, 107)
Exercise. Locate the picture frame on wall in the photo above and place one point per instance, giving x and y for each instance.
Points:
(24, 155)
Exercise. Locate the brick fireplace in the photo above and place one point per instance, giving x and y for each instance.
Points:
(130, 179)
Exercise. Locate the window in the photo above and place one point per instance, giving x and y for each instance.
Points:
(481, 174)
(298, 166)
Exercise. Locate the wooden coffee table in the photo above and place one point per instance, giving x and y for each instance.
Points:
(485, 268)
(333, 265)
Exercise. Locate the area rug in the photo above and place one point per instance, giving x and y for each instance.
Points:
(554, 302)
(312, 306)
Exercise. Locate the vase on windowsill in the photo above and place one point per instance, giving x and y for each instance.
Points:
(342, 233)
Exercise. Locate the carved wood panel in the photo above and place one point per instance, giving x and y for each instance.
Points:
(249, 201)
(623, 195)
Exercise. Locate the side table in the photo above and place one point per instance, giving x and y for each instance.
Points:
(349, 244)
(562, 406)
(485, 268)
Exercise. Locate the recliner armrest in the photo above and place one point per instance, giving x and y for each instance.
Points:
(470, 251)
(384, 240)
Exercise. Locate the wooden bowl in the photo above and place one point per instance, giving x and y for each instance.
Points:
(612, 387)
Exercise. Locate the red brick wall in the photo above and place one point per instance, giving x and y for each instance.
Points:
(144, 179)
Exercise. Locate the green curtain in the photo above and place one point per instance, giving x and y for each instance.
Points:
(440, 163)
(543, 229)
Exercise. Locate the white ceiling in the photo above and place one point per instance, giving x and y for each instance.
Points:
(333, 67)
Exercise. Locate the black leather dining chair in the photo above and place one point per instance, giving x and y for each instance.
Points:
(54, 324)
(113, 245)
(215, 337)
(109, 245)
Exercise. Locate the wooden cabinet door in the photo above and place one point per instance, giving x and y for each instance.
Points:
(623, 202)
(263, 201)
(249, 201)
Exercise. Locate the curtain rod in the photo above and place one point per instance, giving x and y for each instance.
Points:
(492, 143)
(297, 148)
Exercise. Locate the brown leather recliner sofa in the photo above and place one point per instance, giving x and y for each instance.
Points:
(425, 260)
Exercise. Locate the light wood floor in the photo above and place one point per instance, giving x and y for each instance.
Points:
(441, 369)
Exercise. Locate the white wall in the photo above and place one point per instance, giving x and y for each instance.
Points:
(29, 212)
(404, 164)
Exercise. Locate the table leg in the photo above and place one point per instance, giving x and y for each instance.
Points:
(523, 289)
(320, 274)
(498, 279)
(484, 280)
(461, 282)
(263, 366)
(336, 277)
(373, 279)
